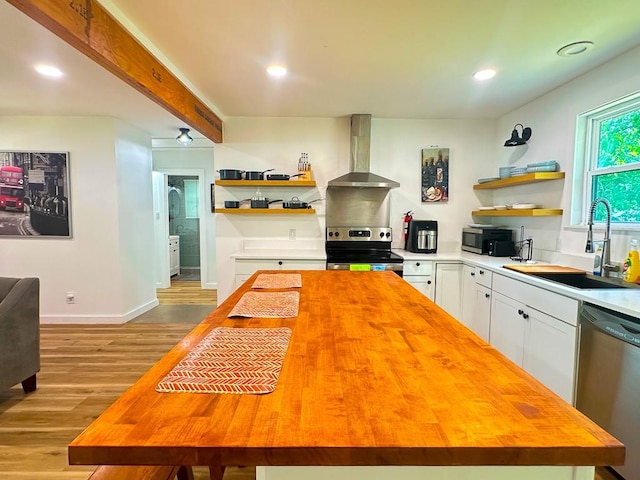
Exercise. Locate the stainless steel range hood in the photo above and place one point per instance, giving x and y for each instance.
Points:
(360, 176)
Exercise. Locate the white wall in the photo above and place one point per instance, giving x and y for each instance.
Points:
(180, 159)
(104, 262)
(261, 143)
(553, 120)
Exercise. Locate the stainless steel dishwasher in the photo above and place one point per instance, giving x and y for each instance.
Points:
(609, 378)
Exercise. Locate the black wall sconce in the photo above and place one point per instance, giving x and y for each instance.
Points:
(518, 139)
(184, 137)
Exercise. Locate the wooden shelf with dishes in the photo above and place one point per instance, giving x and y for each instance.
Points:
(519, 180)
(266, 183)
(266, 211)
(529, 212)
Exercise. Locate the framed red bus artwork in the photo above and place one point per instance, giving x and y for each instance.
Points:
(34, 194)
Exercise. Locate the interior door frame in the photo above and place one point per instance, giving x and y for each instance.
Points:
(161, 219)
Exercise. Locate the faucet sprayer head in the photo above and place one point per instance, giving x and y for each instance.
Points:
(589, 247)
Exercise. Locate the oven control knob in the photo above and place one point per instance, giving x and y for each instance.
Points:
(388, 234)
(331, 234)
(337, 234)
(381, 234)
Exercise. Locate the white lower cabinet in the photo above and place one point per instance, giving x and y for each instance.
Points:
(476, 300)
(419, 274)
(542, 343)
(174, 255)
(447, 292)
(245, 267)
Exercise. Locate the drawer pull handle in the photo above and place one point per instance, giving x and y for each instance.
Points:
(520, 311)
(279, 262)
(481, 272)
(525, 316)
(428, 282)
(417, 264)
(486, 295)
(473, 274)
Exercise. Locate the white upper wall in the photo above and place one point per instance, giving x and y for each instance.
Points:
(553, 120)
(109, 279)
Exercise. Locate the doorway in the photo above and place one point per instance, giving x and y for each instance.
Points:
(184, 222)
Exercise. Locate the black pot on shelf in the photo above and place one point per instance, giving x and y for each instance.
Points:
(256, 175)
(230, 174)
(231, 204)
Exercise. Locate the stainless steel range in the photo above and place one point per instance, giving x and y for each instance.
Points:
(361, 248)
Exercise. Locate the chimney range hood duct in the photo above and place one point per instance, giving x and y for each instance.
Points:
(360, 176)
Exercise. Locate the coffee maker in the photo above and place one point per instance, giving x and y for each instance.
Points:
(422, 236)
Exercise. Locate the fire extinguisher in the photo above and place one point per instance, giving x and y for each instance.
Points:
(408, 216)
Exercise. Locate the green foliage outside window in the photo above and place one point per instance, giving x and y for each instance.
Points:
(618, 148)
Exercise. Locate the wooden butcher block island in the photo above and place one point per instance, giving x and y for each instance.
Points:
(375, 374)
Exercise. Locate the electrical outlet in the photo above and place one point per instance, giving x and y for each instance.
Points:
(71, 297)
(292, 234)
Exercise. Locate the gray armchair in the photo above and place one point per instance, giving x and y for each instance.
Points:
(19, 332)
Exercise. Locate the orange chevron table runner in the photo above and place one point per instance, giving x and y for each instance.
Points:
(267, 305)
(231, 360)
(278, 280)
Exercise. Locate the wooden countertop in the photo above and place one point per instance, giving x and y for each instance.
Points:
(375, 374)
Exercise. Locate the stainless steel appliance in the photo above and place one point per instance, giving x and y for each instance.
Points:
(609, 378)
(361, 248)
(422, 236)
(476, 239)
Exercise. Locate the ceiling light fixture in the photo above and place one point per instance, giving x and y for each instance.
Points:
(276, 70)
(575, 48)
(184, 137)
(517, 139)
(48, 71)
(484, 74)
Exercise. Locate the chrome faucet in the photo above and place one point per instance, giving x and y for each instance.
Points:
(605, 264)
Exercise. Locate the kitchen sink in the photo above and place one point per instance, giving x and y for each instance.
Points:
(585, 281)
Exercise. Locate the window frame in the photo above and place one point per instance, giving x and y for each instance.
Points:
(586, 158)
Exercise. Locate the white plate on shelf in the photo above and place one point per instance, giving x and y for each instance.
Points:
(500, 207)
(484, 225)
(486, 208)
(523, 206)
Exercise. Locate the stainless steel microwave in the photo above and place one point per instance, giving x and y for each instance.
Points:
(476, 239)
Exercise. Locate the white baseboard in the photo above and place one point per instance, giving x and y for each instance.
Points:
(98, 319)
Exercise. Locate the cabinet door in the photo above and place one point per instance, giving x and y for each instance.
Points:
(481, 317)
(422, 283)
(467, 294)
(448, 287)
(550, 352)
(507, 327)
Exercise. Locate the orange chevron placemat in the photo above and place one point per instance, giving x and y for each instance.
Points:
(231, 360)
(267, 305)
(278, 280)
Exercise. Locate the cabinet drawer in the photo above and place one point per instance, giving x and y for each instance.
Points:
(249, 267)
(556, 305)
(417, 267)
(483, 276)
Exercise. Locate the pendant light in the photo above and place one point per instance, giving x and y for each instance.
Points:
(518, 139)
(184, 137)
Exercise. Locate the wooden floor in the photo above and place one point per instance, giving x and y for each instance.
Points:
(184, 292)
(84, 369)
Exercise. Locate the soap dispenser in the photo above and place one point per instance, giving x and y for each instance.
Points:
(631, 266)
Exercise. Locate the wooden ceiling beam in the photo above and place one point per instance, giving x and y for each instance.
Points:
(89, 28)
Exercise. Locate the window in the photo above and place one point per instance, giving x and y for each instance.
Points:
(191, 200)
(611, 162)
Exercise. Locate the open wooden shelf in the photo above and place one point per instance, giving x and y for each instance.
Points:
(519, 180)
(266, 183)
(266, 211)
(531, 212)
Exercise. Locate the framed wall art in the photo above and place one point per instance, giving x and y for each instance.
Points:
(34, 194)
(435, 175)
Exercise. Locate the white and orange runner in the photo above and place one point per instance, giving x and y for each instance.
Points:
(267, 305)
(231, 360)
(278, 280)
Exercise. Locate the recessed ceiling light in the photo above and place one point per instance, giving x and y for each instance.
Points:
(575, 48)
(49, 71)
(484, 74)
(276, 70)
